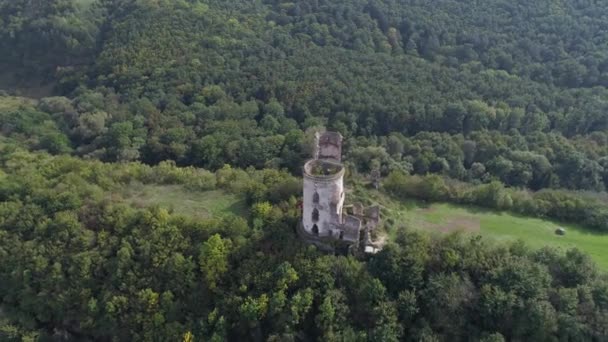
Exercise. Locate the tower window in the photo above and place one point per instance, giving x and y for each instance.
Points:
(341, 235)
(315, 198)
(315, 229)
(315, 215)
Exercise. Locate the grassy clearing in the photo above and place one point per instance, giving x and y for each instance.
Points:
(198, 204)
(507, 227)
(499, 226)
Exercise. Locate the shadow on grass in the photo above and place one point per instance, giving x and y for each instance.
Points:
(238, 208)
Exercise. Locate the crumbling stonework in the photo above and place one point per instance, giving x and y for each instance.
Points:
(328, 146)
(324, 222)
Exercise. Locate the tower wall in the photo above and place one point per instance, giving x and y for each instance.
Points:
(330, 195)
(328, 146)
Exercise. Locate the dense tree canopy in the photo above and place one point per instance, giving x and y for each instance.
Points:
(476, 91)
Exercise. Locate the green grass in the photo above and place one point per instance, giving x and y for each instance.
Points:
(198, 204)
(499, 226)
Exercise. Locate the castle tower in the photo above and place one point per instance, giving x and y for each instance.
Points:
(323, 198)
(324, 223)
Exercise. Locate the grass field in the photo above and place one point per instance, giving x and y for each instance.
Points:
(499, 226)
(198, 204)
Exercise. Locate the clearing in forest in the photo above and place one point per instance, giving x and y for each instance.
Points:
(500, 226)
(179, 200)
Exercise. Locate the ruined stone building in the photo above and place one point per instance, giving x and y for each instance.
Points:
(326, 221)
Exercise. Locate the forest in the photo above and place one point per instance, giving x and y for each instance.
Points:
(499, 104)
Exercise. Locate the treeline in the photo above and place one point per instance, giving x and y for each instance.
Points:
(80, 265)
(588, 210)
(83, 126)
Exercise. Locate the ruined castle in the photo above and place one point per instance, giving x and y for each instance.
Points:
(326, 221)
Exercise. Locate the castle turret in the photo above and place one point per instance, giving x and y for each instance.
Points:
(323, 197)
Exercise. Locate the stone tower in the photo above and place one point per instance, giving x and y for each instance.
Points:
(323, 197)
(324, 186)
(325, 221)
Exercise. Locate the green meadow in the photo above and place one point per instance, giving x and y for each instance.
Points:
(179, 200)
(499, 226)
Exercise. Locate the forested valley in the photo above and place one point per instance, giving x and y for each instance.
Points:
(499, 104)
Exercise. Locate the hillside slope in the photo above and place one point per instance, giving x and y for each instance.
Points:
(80, 263)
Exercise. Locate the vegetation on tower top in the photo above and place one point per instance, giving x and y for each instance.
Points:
(323, 168)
